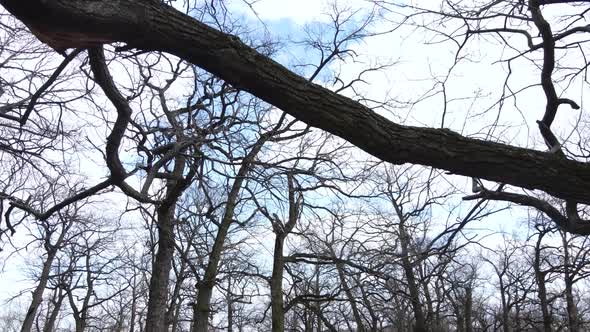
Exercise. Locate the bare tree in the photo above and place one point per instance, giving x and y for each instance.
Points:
(55, 234)
(212, 143)
(166, 29)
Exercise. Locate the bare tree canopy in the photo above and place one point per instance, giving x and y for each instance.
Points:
(188, 165)
(152, 26)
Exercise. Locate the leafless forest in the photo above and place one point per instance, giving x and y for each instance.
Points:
(391, 166)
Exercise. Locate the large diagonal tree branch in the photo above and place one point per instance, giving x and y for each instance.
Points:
(150, 26)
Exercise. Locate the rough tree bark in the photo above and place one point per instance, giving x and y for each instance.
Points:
(276, 287)
(158, 291)
(149, 25)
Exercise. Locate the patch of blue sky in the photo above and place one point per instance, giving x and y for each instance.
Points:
(301, 28)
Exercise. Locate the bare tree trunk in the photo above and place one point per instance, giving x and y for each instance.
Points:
(317, 308)
(230, 306)
(430, 312)
(158, 295)
(276, 285)
(542, 290)
(281, 231)
(468, 309)
(156, 312)
(517, 310)
(38, 292)
(120, 323)
(368, 305)
(308, 321)
(80, 314)
(205, 287)
(420, 321)
(351, 299)
(572, 310)
(51, 250)
(133, 308)
(57, 301)
(175, 301)
(321, 319)
(505, 309)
